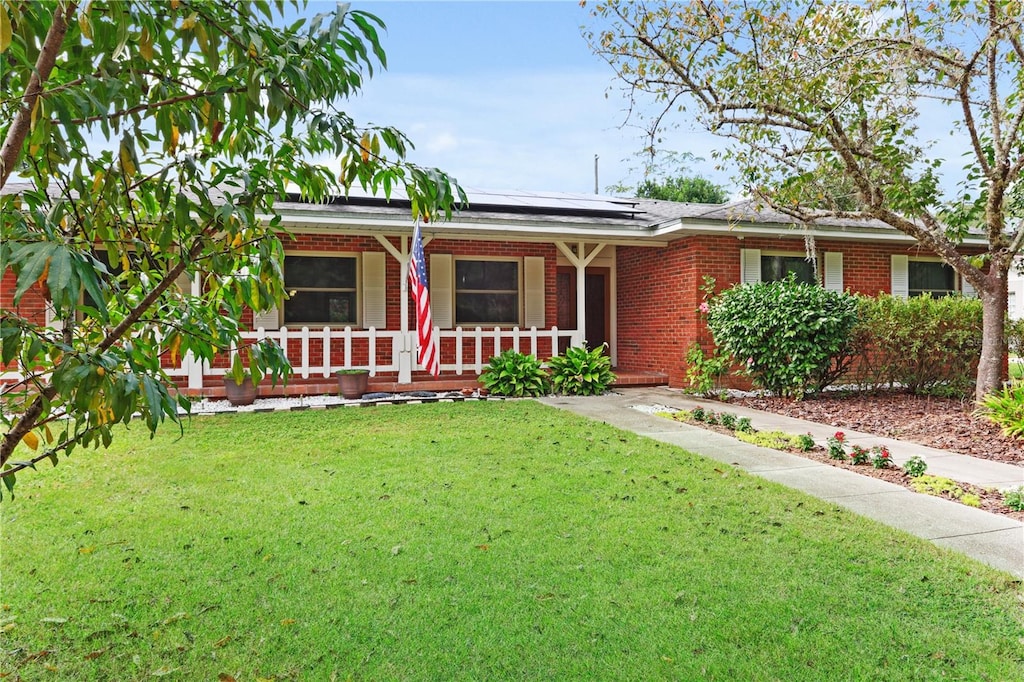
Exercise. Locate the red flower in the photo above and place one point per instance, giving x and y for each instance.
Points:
(840, 436)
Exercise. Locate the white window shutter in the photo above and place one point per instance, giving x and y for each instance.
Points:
(52, 320)
(834, 270)
(267, 319)
(900, 276)
(375, 303)
(750, 266)
(533, 289)
(441, 280)
(966, 289)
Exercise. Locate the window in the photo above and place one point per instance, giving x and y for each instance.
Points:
(775, 268)
(930, 278)
(486, 292)
(770, 266)
(321, 290)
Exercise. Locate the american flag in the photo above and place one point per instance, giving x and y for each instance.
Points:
(428, 351)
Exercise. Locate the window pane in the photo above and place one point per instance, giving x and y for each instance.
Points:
(486, 308)
(775, 268)
(930, 277)
(319, 272)
(487, 275)
(321, 307)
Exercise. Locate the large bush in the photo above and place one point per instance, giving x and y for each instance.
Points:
(792, 338)
(922, 344)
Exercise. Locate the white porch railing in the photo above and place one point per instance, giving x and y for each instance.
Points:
(321, 352)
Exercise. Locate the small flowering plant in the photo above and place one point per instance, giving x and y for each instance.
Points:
(837, 445)
(880, 457)
(860, 455)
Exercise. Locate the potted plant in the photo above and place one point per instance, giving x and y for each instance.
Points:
(352, 382)
(240, 392)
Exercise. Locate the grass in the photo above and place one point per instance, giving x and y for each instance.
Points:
(474, 541)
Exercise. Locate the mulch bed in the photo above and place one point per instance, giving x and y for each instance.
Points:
(991, 500)
(943, 423)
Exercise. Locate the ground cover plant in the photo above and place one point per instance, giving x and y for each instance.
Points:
(487, 540)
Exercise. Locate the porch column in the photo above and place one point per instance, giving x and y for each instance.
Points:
(581, 259)
(405, 341)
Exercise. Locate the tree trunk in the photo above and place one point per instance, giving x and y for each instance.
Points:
(991, 366)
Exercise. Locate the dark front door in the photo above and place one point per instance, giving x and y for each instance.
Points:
(597, 307)
(598, 282)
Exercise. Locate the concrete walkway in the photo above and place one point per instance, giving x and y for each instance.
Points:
(990, 538)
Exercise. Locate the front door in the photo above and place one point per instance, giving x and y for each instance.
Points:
(598, 281)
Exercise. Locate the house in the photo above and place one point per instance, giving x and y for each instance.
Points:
(539, 272)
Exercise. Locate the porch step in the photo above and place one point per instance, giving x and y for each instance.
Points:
(626, 377)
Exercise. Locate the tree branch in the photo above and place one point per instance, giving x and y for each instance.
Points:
(16, 134)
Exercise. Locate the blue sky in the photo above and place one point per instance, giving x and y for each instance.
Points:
(507, 95)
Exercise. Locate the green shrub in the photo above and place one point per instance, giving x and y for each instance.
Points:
(1014, 498)
(938, 486)
(791, 337)
(1015, 337)
(582, 372)
(915, 466)
(704, 372)
(743, 425)
(728, 420)
(776, 440)
(515, 374)
(927, 345)
(1006, 408)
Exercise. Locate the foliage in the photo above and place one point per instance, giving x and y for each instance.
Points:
(1006, 408)
(791, 338)
(477, 509)
(743, 425)
(581, 372)
(776, 440)
(818, 97)
(684, 188)
(836, 445)
(704, 371)
(859, 455)
(806, 442)
(1015, 337)
(1014, 498)
(515, 374)
(157, 137)
(915, 466)
(941, 486)
(922, 344)
(881, 458)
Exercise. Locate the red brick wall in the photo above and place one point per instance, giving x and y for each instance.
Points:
(659, 290)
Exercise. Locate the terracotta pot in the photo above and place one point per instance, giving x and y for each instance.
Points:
(353, 385)
(240, 394)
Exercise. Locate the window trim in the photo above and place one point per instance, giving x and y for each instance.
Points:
(357, 289)
(518, 260)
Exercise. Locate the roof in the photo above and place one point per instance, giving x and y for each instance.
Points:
(546, 216)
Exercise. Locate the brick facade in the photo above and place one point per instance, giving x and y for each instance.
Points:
(658, 287)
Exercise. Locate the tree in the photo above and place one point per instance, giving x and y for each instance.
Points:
(157, 137)
(666, 176)
(686, 188)
(811, 91)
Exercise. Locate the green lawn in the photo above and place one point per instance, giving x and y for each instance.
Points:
(484, 541)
